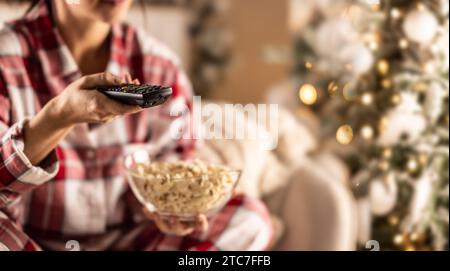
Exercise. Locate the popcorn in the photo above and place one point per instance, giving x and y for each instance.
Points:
(184, 188)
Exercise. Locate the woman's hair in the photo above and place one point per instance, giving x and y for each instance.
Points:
(35, 2)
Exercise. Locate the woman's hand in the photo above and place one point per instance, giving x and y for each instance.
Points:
(81, 103)
(78, 103)
(174, 226)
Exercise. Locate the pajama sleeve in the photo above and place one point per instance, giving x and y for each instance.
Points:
(17, 174)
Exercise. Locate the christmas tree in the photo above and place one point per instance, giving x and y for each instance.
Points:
(376, 73)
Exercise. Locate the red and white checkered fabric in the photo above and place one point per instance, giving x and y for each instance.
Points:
(79, 192)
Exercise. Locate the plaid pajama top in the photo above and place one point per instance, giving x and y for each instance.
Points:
(79, 189)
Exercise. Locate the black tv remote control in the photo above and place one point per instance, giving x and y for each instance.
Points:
(143, 95)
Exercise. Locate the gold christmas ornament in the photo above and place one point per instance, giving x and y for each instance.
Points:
(403, 43)
(399, 239)
(308, 65)
(308, 94)
(395, 13)
(383, 67)
(421, 7)
(423, 159)
(344, 134)
(396, 98)
(412, 165)
(349, 92)
(386, 83)
(383, 165)
(429, 67)
(372, 40)
(420, 87)
(387, 153)
(367, 132)
(393, 220)
(367, 98)
(373, 45)
(383, 123)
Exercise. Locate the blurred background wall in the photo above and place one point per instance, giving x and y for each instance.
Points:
(257, 26)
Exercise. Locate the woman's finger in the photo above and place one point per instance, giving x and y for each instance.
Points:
(202, 223)
(162, 224)
(128, 78)
(186, 231)
(100, 79)
(171, 225)
(183, 228)
(109, 120)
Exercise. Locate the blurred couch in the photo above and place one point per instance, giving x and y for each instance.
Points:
(304, 188)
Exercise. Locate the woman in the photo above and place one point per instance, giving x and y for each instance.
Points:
(62, 143)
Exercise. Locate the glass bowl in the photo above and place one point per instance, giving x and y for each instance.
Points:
(173, 195)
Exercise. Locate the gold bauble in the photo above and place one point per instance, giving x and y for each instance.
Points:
(344, 134)
(403, 43)
(399, 239)
(421, 7)
(423, 159)
(367, 98)
(386, 83)
(420, 87)
(383, 123)
(396, 13)
(387, 153)
(373, 46)
(396, 98)
(383, 165)
(393, 220)
(412, 165)
(308, 94)
(383, 67)
(367, 132)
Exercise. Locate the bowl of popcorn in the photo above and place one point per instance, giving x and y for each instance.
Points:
(181, 189)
